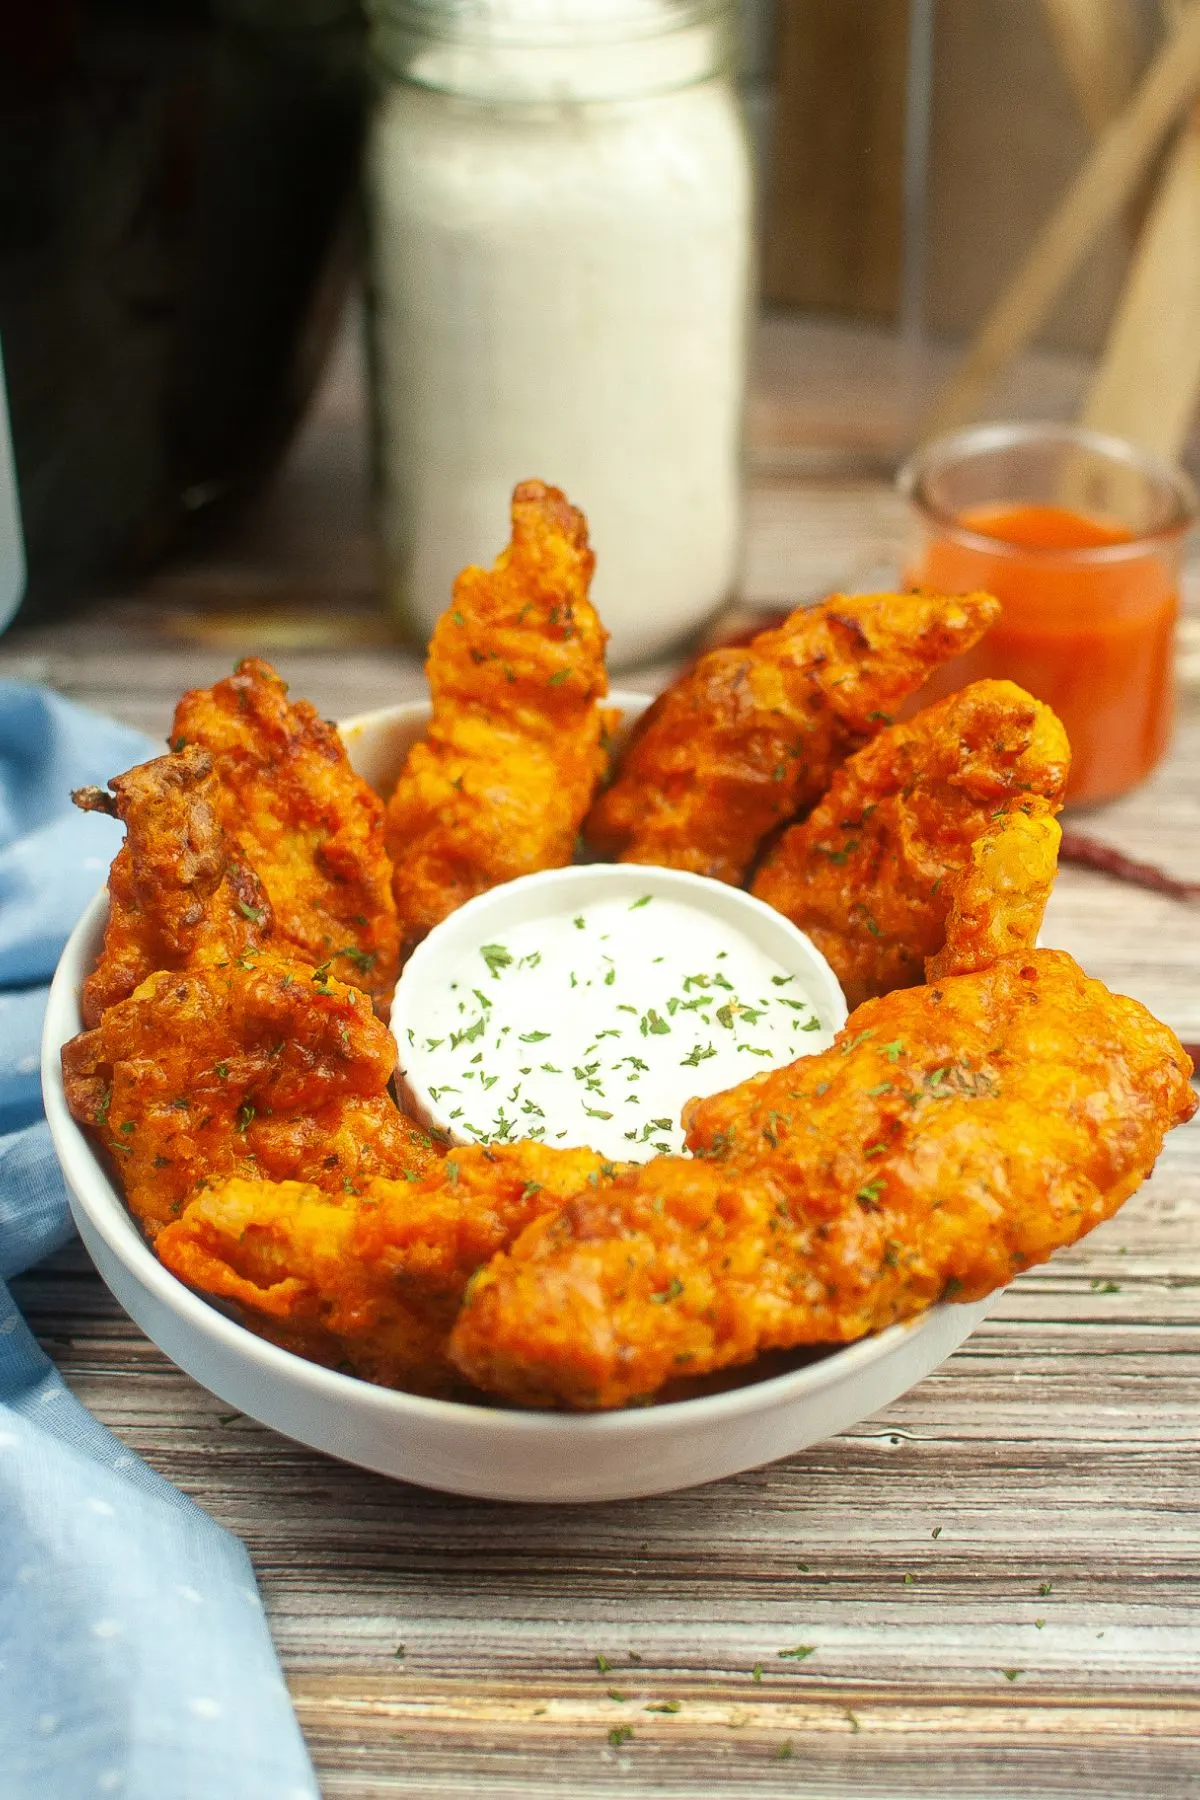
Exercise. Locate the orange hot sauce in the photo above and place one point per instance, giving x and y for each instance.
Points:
(1089, 634)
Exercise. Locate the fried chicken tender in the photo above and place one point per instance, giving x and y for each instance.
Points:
(515, 747)
(310, 827)
(952, 1136)
(752, 736)
(996, 902)
(867, 873)
(371, 1285)
(256, 1066)
(179, 889)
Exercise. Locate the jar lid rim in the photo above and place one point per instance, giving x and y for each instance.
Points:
(503, 24)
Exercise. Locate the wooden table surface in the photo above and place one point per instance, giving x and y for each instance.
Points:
(998, 1573)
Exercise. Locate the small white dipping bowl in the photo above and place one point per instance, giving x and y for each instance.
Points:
(489, 1452)
(451, 952)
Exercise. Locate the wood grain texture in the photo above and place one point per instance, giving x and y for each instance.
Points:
(1104, 184)
(1006, 135)
(1148, 385)
(1045, 1642)
(834, 237)
(1099, 50)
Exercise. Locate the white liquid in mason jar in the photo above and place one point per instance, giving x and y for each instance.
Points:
(561, 292)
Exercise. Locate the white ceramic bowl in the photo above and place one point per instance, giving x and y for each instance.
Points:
(532, 904)
(480, 1450)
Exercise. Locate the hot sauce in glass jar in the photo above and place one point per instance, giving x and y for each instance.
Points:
(1079, 536)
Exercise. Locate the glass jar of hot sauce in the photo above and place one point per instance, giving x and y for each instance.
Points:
(1079, 536)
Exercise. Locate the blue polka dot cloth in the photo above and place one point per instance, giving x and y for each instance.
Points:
(134, 1657)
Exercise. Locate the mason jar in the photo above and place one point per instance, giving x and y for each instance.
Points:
(561, 222)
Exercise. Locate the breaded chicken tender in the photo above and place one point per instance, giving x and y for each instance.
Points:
(752, 736)
(372, 1284)
(952, 1136)
(867, 873)
(996, 902)
(515, 748)
(309, 826)
(179, 889)
(257, 1066)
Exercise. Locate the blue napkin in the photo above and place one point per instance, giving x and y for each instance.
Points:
(134, 1657)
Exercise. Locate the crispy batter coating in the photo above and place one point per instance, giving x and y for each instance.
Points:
(257, 1066)
(372, 1284)
(866, 874)
(952, 1136)
(179, 889)
(515, 747)
(752, 736)
(311, 828)
(996, 902)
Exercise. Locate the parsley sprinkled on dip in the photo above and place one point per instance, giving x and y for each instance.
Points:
(587, 1005)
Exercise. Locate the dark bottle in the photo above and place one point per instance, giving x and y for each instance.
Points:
(177, 186)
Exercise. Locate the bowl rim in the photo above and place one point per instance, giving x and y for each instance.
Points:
(92, 1192)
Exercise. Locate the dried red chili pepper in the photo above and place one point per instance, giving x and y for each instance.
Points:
(1090, 853)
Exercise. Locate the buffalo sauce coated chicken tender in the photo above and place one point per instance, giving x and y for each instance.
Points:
(752, 736)
(515, 748)
(179, 888)
(996, 902)
(952, 1136)
(868, 875)
(254, 1066)
(373, 1283)
(311, 828)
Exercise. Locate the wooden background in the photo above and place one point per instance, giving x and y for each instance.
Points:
(1007, 131)
(998, 1574)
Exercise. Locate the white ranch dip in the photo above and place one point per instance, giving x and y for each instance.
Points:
(594, 1025)
(561, 216)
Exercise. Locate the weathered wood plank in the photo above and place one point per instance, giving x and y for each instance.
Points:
(855, 1742)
